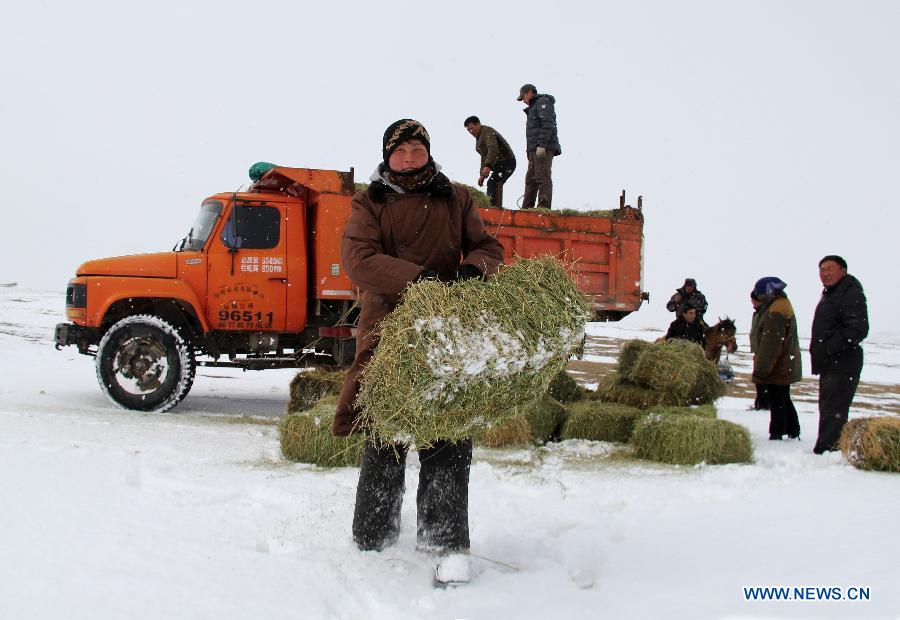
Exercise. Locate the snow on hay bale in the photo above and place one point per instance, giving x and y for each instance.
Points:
(309, 387)
(306, 437)
(675, 372)
(872, 443)
(546, 418)
(691, 439)
(599, 421)
(452, 359)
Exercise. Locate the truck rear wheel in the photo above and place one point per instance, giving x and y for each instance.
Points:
(143, 363)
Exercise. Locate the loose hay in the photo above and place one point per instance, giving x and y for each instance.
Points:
(306, 438)
(309, 387)
(704, 411)
(546, 418)
(565, 389)
(452, 359)
(688, 440)
(600, 421)
(872, 443)
(512, 432)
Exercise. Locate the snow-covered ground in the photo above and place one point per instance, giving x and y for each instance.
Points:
(194, 514)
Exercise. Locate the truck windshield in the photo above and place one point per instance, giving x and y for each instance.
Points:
(202, 227)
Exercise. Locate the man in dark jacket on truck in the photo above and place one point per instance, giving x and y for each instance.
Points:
(840, 324)
(497, 159)
(541, 145)
(688, 297)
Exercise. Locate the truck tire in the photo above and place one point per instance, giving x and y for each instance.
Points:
(143, 363)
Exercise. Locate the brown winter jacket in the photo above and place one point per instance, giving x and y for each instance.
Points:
(775, 345)
(389, 239)
(492, 147)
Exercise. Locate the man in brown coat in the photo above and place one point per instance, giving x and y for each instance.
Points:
(776, 355)
(497, 159)
(411, 223)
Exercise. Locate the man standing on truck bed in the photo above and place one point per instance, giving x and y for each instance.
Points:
(541, 145)
(688, 297)
(497, 159)
(410, 224)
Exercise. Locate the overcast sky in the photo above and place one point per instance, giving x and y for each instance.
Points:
(762, 135)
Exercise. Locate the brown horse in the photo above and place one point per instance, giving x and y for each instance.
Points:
(720, 335)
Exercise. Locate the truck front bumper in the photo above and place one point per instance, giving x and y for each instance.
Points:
(82, 337)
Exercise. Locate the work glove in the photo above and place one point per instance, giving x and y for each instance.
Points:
(467, 272)
(426, 274)
(540, 153)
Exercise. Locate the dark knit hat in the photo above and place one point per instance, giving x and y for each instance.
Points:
(768, 286)
(690, 282)
(401, 131)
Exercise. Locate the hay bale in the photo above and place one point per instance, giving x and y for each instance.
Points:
(677, 369)
(615, 389)
(690, 439)
(479, 197)
(600, 421)
(455, 358)
(509, 433)
(546, 418)
(631, 350)
(872, 443)
(309, 387)
(306, 438)
(565, 389)
(704, 411)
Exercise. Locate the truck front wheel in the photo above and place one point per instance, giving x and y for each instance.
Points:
(143, 363)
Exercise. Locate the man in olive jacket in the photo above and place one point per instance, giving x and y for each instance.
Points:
(497, 159)
(776, 355)
(541, 145)
(840, 324)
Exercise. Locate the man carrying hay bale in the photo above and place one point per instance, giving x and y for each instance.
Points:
(410, 224)
(776, 355)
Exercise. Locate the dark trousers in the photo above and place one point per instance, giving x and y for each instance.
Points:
(836, 391)
(762, 397)
(442, 500)
(502, 171)
(538, 183)
(782, 414)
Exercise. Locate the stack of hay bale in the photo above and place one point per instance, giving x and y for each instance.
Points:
(675, 372)
(455, 360)
(650, 402)
(305, 430)
(872, 443)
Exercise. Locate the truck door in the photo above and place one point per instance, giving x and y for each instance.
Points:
(247, 285)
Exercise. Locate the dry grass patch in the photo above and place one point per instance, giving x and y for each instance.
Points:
(306, 438)
(599, 421)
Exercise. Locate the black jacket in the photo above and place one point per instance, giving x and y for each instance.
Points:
(841, 322)
(540, 128)
(679, 328)
(695, 300)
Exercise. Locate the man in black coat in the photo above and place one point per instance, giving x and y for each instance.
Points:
(687, 327)
(688, 297)
(840, 324)
(541, 146)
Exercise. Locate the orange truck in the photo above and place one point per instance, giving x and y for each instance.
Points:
(258, 283)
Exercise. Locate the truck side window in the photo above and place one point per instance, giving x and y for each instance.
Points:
(258, 228)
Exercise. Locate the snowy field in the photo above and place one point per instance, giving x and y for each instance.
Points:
(194, 514)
